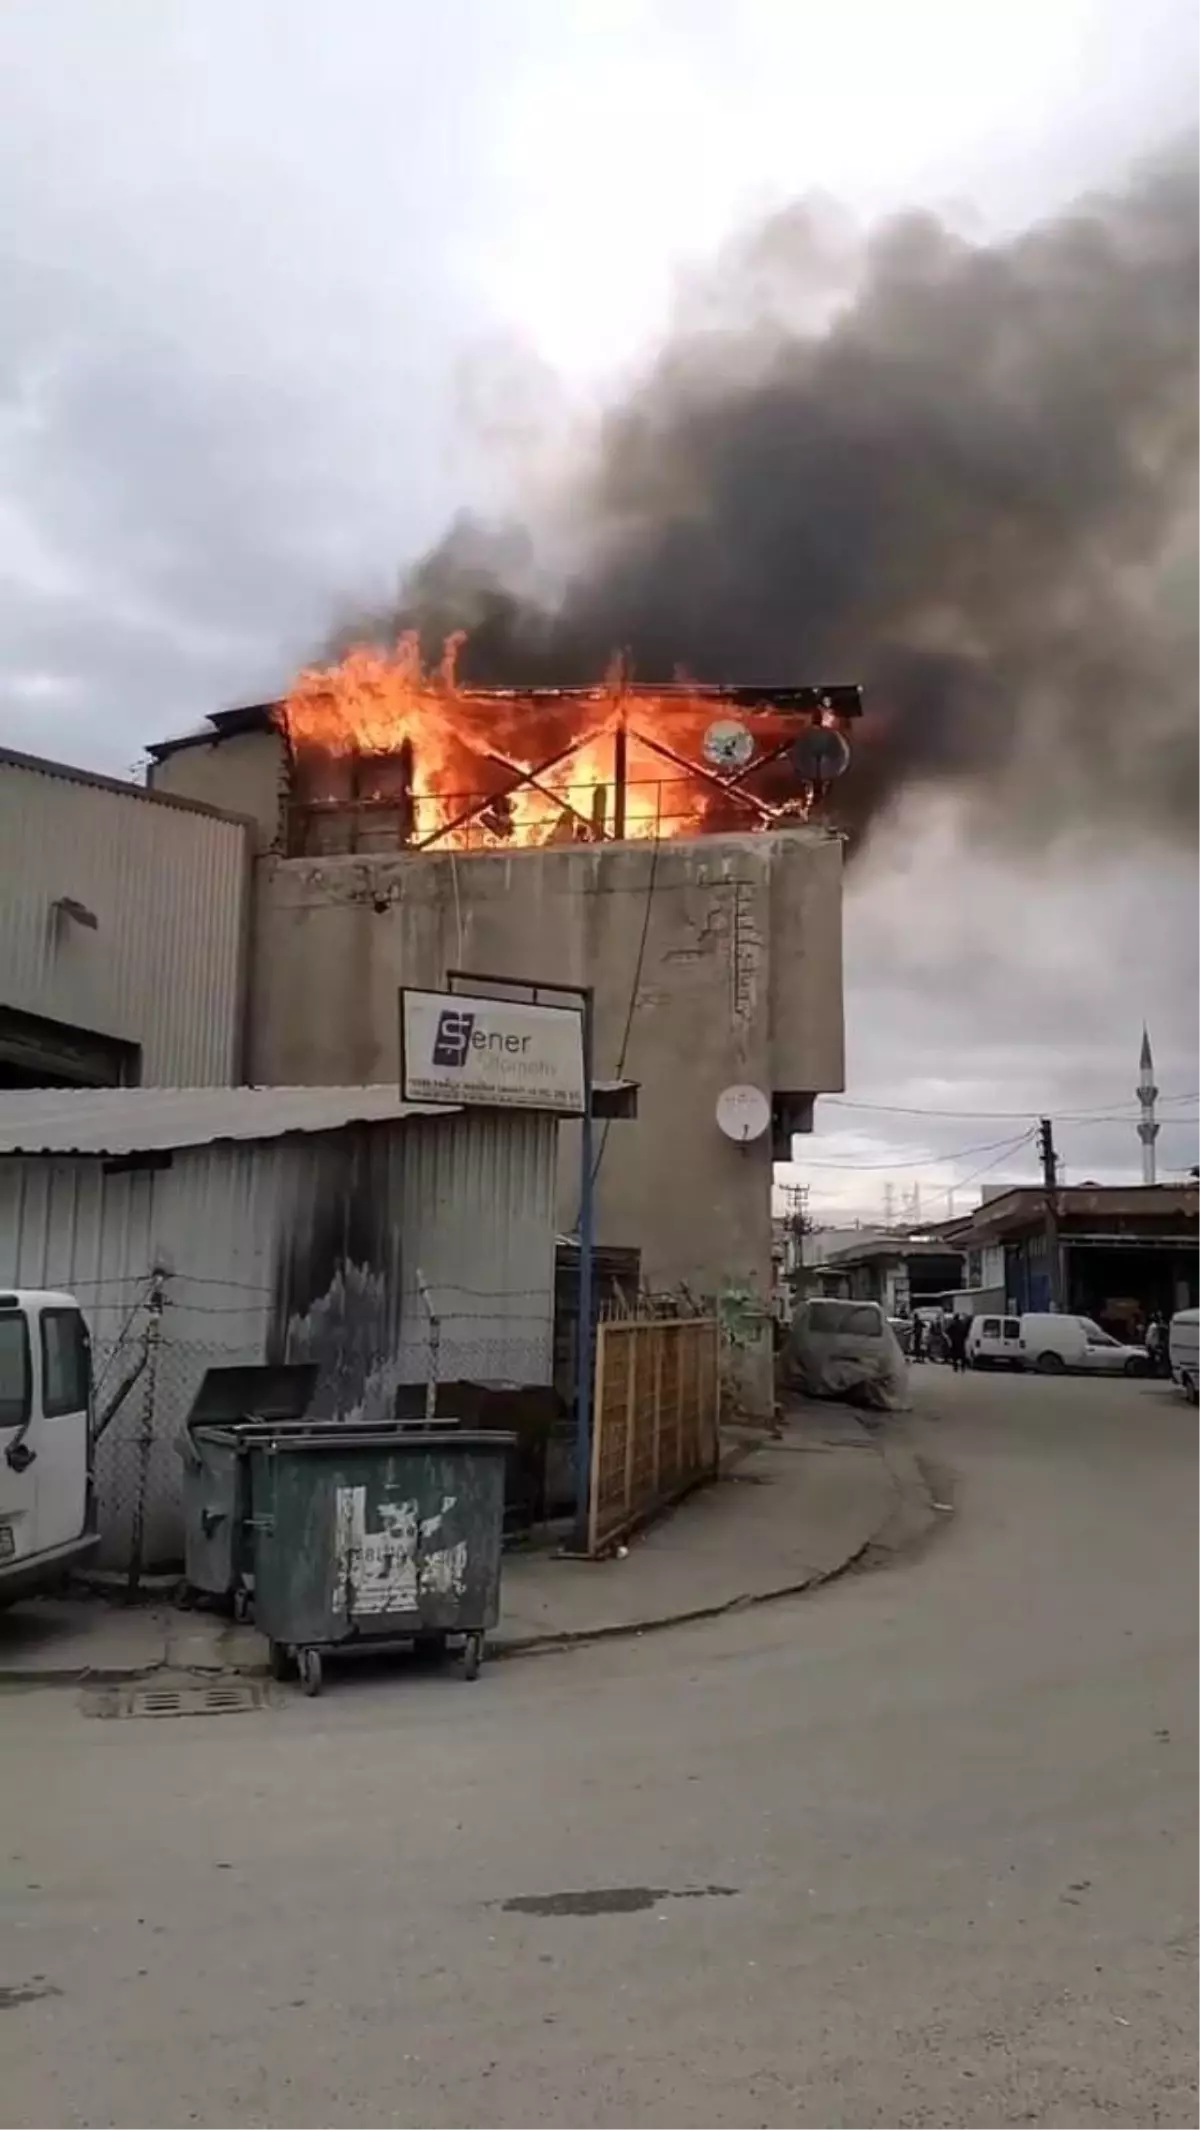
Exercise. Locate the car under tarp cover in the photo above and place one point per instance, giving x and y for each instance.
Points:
(846, 1350)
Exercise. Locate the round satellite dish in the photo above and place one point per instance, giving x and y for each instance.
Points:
(820, 754)
(728, 745)
(743, 1113)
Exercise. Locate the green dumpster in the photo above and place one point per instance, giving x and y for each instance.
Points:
(374, 1534)
(230, 1406)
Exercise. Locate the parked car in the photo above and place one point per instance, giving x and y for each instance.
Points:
(995, 1342)
(1054, 1343)
(47, 1498)
(1183, 1345)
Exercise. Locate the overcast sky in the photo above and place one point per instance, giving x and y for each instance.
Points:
(285, 285)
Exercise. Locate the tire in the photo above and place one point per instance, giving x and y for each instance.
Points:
(1136, 1368)
(241, 1606)
(1051, 1364)
(472, 1656)
(309, 1663)
(279, 1661)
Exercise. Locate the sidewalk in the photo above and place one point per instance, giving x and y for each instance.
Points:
(783, 1516)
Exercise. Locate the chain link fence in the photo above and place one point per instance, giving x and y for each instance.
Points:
(153, 1343)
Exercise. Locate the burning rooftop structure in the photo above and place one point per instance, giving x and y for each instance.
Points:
(387, 754)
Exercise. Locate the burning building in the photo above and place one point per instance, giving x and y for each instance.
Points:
(385, 756)
(667, 845)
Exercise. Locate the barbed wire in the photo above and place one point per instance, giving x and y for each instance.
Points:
(176, 1276)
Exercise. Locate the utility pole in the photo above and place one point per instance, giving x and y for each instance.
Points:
(1050, 1181)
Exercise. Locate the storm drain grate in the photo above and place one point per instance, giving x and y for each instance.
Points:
(229, 1697)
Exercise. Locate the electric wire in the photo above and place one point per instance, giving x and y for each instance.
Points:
(634, 988)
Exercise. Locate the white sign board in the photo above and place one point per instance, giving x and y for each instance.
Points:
(492, 1051)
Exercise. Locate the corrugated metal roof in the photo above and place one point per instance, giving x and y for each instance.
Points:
(219, 725)
(136, 1120)
(96, 780)
(1024, 1207)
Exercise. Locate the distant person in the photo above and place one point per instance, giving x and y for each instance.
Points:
(1156, 1345)
(918, 1338)
(957, 1337)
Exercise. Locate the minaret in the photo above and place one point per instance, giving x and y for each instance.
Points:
(1147, 1094)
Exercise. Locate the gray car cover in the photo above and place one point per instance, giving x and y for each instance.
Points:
(846, 1350)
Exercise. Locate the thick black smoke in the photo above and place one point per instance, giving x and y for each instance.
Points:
(971, 486)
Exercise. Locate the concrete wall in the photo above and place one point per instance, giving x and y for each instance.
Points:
(740, 980)
(247, 776)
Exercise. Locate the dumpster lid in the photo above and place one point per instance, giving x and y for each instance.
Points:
(330, 1437)
(253, 1391)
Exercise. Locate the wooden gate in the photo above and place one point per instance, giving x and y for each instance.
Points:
(655, 1418)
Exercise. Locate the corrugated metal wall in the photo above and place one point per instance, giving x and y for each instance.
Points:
(298, 1249)
(476, 1199)
(164, 967)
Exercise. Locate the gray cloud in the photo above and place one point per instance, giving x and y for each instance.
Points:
(974, 988)
(971, 486)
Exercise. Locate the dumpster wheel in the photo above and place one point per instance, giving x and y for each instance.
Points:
(308, 1664)
(279, 1660)
(472, 1656)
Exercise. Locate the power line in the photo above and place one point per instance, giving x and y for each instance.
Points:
(920, 1161)
(634, 988)
(1016, 1116)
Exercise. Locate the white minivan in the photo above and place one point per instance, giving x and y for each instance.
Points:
(47, 1497)
(1055, 1343)
(1183, 1346)
(995, 1342)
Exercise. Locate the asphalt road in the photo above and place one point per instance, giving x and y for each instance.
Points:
(919, 1849)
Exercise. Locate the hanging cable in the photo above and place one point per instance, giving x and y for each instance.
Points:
(634, 988)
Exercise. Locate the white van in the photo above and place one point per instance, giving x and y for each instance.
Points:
(1054, 1343)
(1184, 1349)
(47, 1497)
(995, 1342)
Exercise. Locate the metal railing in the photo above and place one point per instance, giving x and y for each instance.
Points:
(663, 808)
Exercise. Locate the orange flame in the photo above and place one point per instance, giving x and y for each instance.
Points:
(420, 759)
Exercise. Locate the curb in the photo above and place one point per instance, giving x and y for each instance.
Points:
(897, 1517)
(11, 1682)
(911, 1516)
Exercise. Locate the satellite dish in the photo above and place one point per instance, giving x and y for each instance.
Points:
(820, 754)
(743, 1114)
(728, 745)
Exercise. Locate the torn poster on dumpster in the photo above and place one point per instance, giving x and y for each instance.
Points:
(846, 1350)
(387, 1570)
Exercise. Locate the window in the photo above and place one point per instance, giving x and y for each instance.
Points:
(14, 1369)
(865, 1321)
(1096, 1337)
(1012, 1327)
(847, 1319)
(66, 1371)
(990, 1328)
